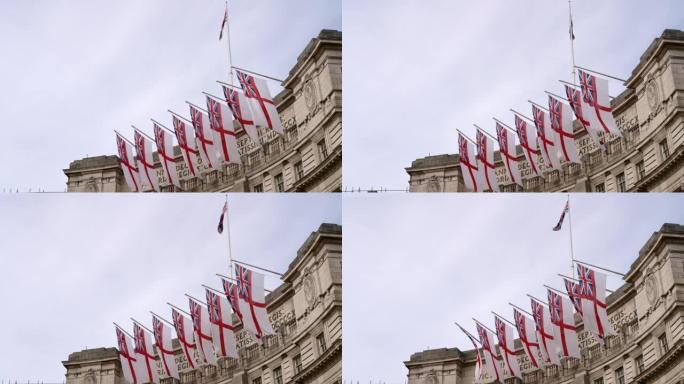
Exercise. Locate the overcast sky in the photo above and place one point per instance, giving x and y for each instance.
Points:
(419, 263)
(73, 264)
(415, 71)
(74, 70)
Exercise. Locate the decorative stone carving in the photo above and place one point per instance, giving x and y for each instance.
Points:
(652, 94)
(90, 377)
(310, 95)
(309, 289)
(650, 284)
(431, 378)
(91, 185)
(434, 185)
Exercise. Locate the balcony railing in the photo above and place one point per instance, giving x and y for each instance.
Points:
(231, 173)
(250, 356)
(592, 356)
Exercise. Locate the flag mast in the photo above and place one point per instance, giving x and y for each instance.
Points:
(230, 249)
(572, 252)
(572, 43)
(230, 53)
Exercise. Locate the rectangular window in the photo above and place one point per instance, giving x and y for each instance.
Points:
(664, 150)
(662, 340)
(299, 170)
(280, 185)
(322, 150)
(278, 376)
(639, 363)
(620, 376)
(258, 188)
(600, 187)
(297, 363)
(320, 339)
(257, 380)
(599, 380)
(640, 170)
(620, 181)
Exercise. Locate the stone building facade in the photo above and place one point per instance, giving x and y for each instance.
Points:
(305, 310)
(647, 311)
(649, 156)
(306, 158)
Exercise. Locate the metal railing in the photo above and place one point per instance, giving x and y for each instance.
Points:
(592, 356)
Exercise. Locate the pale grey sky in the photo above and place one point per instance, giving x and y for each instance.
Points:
(74, 70)
(415, 71)
(73, 264)
(421, 262)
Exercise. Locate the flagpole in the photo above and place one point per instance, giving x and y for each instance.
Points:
(520, 309)
(601, 268)
(162, 319)
(195, 299)
(178, 309)
(578, 280)
(572, 43)
(141, 324)
(123, 330)
(260, 268)
(466, 332)
(230, 52)
(572, 252)
(232, 279)
(230, 248)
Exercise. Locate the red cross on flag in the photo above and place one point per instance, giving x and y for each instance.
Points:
(162, 339)
(527, 135)
(251, 301)
(224, 134)
(563, 320)
(547, 343)
(164, 141)
(131, 363)
(492, 359)
(588, 120)
(546, 137)
(129, 164)
(186, 337)
(143, 150)
(205, 138)
(592, 288)
(231, 291)
(473, 177)
(478, 359)
(222, 330)
(257, 92)
(528, 338)
(202, 328)
(145, 349)
(485, 159)
(504, 334)
(242, 112)
(508, 153)
(188, 147)
(595, 94)
(561, 123)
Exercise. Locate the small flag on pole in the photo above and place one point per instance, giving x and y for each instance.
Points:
(223, 213)
(223, 23)
(572, 30)
(562, 216)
